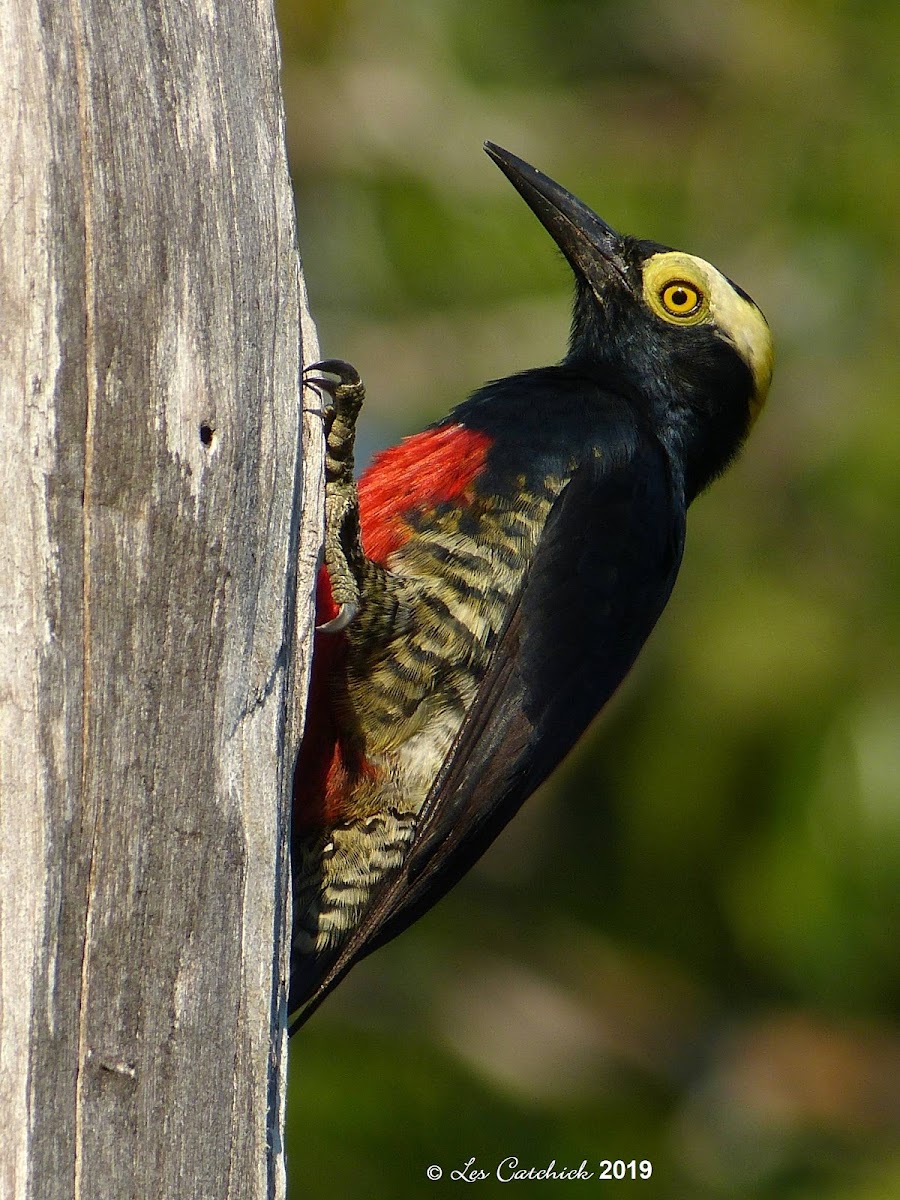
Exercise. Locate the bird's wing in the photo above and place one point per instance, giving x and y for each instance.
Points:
(600, 577)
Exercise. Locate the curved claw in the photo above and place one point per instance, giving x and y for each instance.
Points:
(341, 621)
(347, 375)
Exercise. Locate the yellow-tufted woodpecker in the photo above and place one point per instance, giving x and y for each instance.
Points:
(491, 580)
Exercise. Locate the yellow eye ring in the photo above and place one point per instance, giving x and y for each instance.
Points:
(681, 299)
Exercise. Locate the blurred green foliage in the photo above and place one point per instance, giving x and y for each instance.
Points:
(685, 949)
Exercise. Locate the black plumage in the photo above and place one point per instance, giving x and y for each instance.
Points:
(668, 365)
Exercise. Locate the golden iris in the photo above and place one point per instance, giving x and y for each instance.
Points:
(680, 299)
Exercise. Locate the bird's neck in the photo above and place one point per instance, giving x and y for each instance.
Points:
(701, 437)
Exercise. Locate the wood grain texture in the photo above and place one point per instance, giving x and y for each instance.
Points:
(158, 542)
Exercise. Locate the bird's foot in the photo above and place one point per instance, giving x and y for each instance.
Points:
(344, 555)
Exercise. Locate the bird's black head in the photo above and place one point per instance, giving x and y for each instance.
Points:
(665, 329)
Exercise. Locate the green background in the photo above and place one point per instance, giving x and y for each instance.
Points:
(685, 948)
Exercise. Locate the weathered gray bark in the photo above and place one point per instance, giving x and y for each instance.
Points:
(152, 622)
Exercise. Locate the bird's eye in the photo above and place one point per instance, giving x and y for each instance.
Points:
(680, 299)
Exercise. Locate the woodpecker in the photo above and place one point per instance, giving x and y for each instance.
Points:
(490, 581)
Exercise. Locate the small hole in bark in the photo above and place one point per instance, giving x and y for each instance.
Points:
(206, 434)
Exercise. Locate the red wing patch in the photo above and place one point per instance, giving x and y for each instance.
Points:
(326, 608)
(430, 468)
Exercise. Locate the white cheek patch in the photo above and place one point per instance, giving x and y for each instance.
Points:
(738, 319)
(746, 328)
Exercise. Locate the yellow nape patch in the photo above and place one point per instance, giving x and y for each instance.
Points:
(684, 290)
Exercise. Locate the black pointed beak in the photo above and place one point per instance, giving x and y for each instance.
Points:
(593, 249)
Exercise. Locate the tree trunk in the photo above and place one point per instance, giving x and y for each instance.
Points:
(153, 620)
